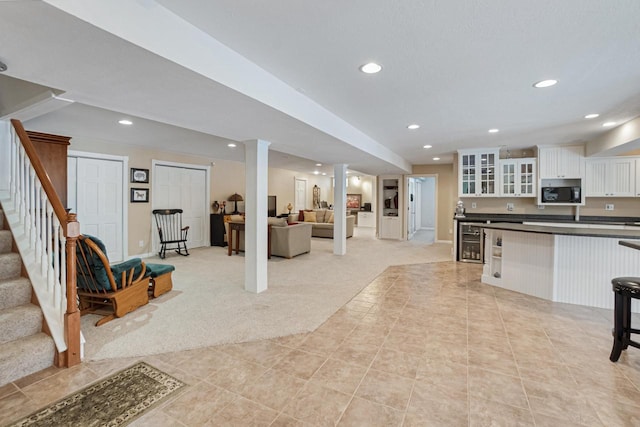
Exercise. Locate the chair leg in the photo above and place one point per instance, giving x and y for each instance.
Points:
(163, 248)
(626, 321)
(618, 327)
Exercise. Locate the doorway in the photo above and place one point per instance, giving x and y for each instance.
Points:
(186, 187)
(422, 208)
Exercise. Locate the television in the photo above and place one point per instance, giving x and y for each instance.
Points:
(272, 209)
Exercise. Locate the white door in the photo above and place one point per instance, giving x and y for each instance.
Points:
(96, 195)
(300, 202)
(176, 187)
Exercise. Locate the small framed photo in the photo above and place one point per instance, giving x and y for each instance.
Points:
(140, 175)
(139, 195)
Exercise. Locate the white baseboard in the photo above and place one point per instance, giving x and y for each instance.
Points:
(444, 241)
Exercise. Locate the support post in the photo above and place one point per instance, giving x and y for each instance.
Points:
(72, 315)
(255, 235)
(340, 209)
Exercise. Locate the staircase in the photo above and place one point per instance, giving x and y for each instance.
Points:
(24, 348)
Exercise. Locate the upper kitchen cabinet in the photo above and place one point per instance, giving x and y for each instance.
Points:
(478, 173)
(564, 162)
(518, 177)
(610, 177)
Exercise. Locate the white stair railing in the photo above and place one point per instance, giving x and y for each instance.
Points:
(42, 232)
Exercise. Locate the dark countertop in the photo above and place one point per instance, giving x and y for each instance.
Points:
(584, 219)
(632, 245)
(567, 231)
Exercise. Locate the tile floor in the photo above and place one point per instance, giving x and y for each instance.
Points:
(422, 345)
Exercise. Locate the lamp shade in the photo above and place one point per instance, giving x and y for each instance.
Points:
(235, 198)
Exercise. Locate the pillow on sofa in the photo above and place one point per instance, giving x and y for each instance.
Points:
(301, 215)
(310, 217)
(330, 220)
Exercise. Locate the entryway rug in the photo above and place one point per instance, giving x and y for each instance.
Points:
(115, 401)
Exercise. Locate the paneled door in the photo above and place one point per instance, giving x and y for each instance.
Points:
(180, 187)
(300, 202)
(95, 189)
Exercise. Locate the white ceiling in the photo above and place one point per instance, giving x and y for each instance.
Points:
(457, 68)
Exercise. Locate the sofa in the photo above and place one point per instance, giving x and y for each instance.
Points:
(286, 240)
(321, 221)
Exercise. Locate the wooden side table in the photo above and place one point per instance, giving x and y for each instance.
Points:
(238, 227)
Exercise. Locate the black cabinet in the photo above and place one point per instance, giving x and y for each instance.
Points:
(216, 222)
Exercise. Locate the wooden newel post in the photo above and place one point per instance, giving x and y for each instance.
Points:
(72, 316)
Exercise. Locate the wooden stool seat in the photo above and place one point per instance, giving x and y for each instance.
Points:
(625, 289)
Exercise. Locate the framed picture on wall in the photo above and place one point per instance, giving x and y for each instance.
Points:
(139, 195)
(354, 201)
(140, 175)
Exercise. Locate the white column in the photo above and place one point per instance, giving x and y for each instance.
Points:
(340, 209)
(255, 233)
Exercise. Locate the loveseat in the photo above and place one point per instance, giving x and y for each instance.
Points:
(286, 240)
(321, 221)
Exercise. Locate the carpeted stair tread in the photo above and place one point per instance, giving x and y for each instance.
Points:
(25, 356)
(19, 322)
(14, 292)
(5, 241)
(10, 266)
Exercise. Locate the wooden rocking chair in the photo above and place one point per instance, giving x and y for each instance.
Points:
(113, 290)
(169, 222)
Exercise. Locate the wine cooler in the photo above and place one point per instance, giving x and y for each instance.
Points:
(470, 242)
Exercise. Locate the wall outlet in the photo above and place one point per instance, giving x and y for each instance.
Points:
(540, 206)
(141, 243)
(608, 207)
(450, 231)
(509, 207)
(473, 205)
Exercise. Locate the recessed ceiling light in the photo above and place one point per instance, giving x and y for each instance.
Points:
(413, 126)
(494, 130)
(608, 124)
(370, 68)
(591, 116)
(436, 158)
(318, 164)
(545, 83)
(316, 172)
(231, 144)
(324, 173)
(426, 146)
(125, 122)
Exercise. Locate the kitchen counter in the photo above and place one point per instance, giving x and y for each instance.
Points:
(581, 229)
(569, 264)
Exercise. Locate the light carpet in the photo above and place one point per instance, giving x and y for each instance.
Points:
(209, 306)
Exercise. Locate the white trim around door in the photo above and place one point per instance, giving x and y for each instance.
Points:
(206, 200)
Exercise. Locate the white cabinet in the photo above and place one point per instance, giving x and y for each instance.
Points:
(390, 209)
(561, 162)
(390, 228)
(611, 177)
(478, 172)
(518, 177)
(366, 219)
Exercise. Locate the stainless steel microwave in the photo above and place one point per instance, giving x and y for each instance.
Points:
(561, 195)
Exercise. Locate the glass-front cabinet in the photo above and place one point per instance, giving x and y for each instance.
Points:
(478, 172)
(518, 177)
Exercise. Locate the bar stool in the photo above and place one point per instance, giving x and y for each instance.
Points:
(624, 288)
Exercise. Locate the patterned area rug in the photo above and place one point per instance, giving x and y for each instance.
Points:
(115, 401)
